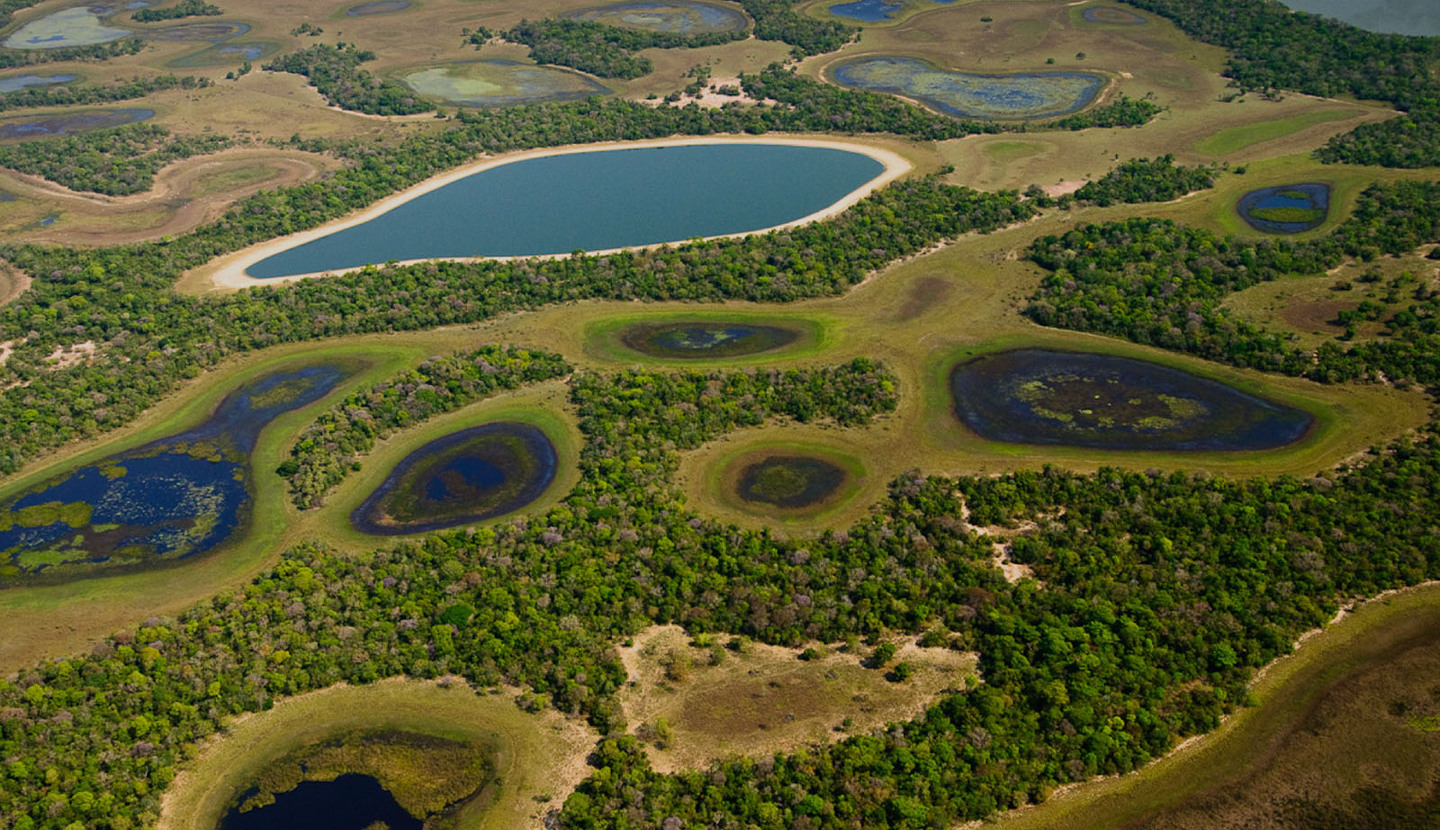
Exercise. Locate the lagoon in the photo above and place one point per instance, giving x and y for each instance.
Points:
(1019, 95)
(349, 802)
(15, 83)
(684, 17)
(593, 201)
(1401, 17)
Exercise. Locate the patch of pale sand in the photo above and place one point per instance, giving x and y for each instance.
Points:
(762, 684)
(73, 355)
(1064, 188)
(228, 272)
(1013, 571)
(712, 98)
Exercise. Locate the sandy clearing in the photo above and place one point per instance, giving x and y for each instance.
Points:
(1064, 188)
(228, 272)
(13, 283)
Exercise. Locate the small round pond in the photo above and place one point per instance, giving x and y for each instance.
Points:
(173, 498)
(706, 339)
(15, 83)
(75, 26)
(502, 83)
(226, 53)
(557, 204)
(378, 7)
(874, 11)
(1038, 396)
(1290, 208)
(349, 802)
(1112, 16)
(1020, 95)
(789, 482)
(468, 476)
(682, 17)
(69, 123)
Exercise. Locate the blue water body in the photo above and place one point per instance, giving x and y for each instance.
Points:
(675, 16)
(1018, 95)
(70, 123)
(215, 32)
(350, 802)
(593, 201)
(872, 11)
(1401, 17)
(170, 499)
(6, 196)
(248, 51)
(1310, 195)
(74, 26)
(474, 474)
(15, 83)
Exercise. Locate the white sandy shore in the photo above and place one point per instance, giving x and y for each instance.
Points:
(228, 272)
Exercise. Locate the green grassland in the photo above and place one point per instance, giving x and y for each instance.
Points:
(602, 338)
(536, 758)
(710, 479)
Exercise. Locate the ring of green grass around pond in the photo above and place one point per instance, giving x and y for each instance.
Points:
(706, 339)
(502, 83)
(378, 7)
(1014, 96)
(1291, 208)
(1101, 401)
(166, 501)
(405, 780)
(226, 53)
(684, 17)
(468, 476)
(786, 481)
(1112, 16)
(594, 201)
(68, 123)
(200, 30)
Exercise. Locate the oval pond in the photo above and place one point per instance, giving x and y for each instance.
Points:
(502, 83)
(702, 340)
(75, 26)
(1290, 208)
(1038, 396)
(681, 17)
(68, 123)
(873, 11)
(173, 498)
(791, 482)
(15, 83)
(593, 201)
(968, 95)
(378, 7)
(1112, 16)
(468, 476)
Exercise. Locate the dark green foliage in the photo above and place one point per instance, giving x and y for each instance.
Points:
(115, 162)
(1155, 282)
(1409, 140)
(78, 94)
(185, 8)
(11, 58)
(1146, 180)
(1122, 112)
(323, 453)
(601, 50)
(335, 72)
(778, 20)
(1273, 48)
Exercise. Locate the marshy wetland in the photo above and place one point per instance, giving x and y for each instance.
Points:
(465, 477)
(706, 339)
(1014, 96)
(69, 123)
(1291, 208)
(686, 17)
(1037, 396)
(168, 500)
(498, 82)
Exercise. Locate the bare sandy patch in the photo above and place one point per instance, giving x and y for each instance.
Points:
(13, 283)
(1064, 188)
(228, 272)
(64, 357)
(764, 699)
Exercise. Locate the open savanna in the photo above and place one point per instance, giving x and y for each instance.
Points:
(537, 758)
(1336, 730)
(187, 194)
(50, 620)
(758, 700)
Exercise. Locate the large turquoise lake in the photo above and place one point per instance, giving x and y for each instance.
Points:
(593, 201)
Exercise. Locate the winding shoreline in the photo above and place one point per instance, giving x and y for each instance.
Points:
(228, 272)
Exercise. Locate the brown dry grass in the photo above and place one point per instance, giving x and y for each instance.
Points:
(764, 699)
(13, 283)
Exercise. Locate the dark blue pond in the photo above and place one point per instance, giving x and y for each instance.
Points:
(168, 500)
(15, 83)
(350, 802)
(872, 11)
(1037, 396)
(1290, 208)
(705, 340)
(593, 201)
(468, 476)
(70, 122)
